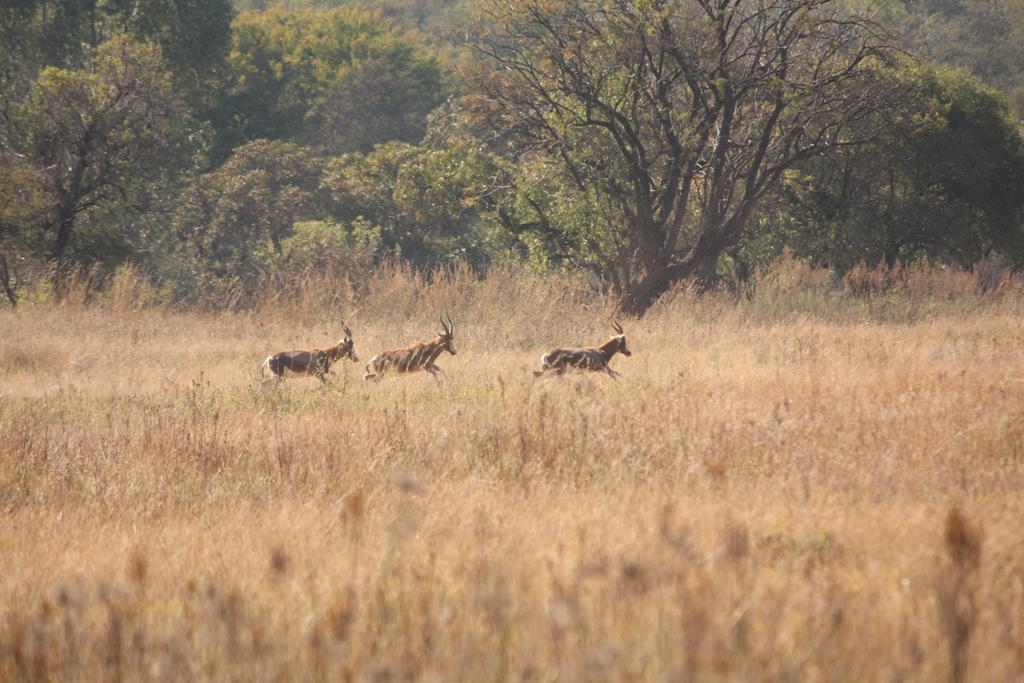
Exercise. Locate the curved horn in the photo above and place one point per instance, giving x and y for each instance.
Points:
(449, 323)
(617, 327)
(348, 332)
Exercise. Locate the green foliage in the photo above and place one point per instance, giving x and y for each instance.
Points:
(434, 203)
(615, 137)
(87, 135)
(328, 247)
(40, 33)
(949, 188)
(433, 19)
(22, 200)
(99, 101)
(339, 80)
(195, 40)
(193, 35)
(658, 126)
(232, 222)
(985, 37)
(558, 222)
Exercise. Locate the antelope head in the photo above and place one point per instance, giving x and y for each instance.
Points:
(347, 346)
(448, 343)
(621, 337)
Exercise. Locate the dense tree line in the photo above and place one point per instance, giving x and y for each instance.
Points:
(649, 142)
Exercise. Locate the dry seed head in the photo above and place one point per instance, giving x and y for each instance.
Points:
(278, 562)
(737, 541)
(138, 567)
(963, 541)
(355, 504)
(340, 616)
(410, 484)
(717, 470)
(634, 576)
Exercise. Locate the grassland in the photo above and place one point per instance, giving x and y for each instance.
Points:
(824, 482)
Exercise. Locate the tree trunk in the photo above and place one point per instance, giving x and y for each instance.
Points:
(65, 228)
(5, 280)
(661, 278)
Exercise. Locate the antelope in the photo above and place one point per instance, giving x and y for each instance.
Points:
(417, 356)
(597, 359)
(312, 362)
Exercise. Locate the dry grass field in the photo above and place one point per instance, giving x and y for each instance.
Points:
(806, 485)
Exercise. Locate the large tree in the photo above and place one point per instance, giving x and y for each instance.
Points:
(87, 135)
(649, 130)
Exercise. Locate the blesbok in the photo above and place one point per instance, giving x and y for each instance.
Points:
(597, 359)
(418, 356)
(312, 362)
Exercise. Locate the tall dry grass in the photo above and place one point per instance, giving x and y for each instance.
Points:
(814, 484)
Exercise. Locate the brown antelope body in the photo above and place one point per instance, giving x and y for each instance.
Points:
(597, 359)
(418, 356)
(311, 362)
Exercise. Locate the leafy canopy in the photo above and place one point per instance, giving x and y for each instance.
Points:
(303, 75)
